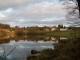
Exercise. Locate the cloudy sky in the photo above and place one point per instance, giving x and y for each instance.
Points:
(32, 12)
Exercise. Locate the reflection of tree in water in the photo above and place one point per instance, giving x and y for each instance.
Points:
(39, 37)
(2, 34)
(2, 41)
(28, 38)
(64, 50)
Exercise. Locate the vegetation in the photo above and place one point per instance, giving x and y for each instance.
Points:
(73, 9)
(64, 50)
(78, 1)
(42, 31)
(63, 33)
(2, 33)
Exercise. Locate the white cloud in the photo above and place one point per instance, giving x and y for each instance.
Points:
(31, 12)
(10, 3)
(38, 11)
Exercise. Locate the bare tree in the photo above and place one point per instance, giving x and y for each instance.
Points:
(77, 7)
(72, 8)
(78, 1)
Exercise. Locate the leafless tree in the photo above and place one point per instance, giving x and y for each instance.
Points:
(73, 11)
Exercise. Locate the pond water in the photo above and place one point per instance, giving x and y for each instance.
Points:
(19, 50)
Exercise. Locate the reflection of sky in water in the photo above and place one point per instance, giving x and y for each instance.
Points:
(23, 48)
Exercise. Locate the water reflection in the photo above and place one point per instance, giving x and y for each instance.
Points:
(31, 38)
(28, 38)
(23, 46)
(63, 38)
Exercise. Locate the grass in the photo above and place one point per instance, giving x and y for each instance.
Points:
(63, 33)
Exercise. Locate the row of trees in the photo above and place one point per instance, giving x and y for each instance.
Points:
(4, 26)
(32, 29)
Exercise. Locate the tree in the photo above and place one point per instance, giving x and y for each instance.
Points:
(78, 1)
(73, 12)
(77, 6)
(60, 26)
(4, 26)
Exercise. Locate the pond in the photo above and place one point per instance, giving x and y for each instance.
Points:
(11, 49)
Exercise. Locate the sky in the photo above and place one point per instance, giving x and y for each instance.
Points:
(32, 12)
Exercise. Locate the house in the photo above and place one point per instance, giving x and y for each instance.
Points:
(44, 29)
(63, 29)
(54, 28)
(47, 29)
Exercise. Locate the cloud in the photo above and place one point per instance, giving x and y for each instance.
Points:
(31, 12)
(41, 9)
(10, 3)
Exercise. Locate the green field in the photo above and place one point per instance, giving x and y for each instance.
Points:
(64, 33)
